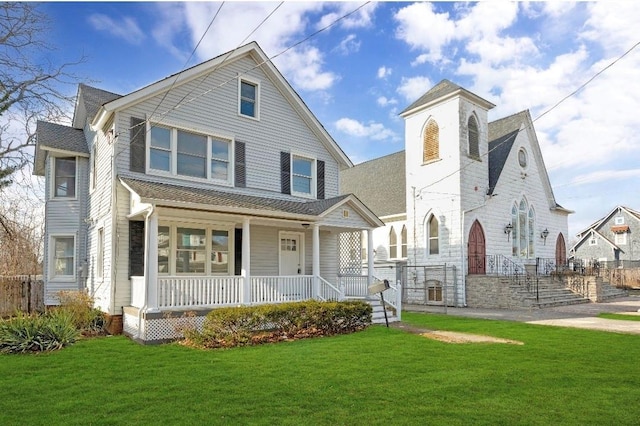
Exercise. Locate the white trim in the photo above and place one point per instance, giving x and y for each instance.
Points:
(301, 249)
(52, 256)
(257, 84)
(93, 168)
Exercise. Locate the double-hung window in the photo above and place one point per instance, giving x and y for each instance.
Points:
(302, 176)
(194, 250)
(248, 99)
(64, 254)
(179, 152)
(64, 177)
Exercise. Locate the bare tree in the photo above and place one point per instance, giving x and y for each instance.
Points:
(21, 237)
(31, 87)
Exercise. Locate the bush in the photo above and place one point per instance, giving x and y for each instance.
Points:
(37, 332)
(250, 325)
(87, 319)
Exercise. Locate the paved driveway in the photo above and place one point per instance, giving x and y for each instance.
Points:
(578, 316)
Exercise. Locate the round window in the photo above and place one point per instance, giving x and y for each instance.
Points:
(522, 158)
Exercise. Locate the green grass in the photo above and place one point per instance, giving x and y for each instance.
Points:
(378, 376)
(624, 317)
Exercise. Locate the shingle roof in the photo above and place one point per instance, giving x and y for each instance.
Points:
(162, 192)
(502, 134)
(59, 137)
(380, 184)
(442, 89)
(94, 98)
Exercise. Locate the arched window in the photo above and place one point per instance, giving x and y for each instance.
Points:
(431, 147)
(432, 235)
(523, 221)
(393, 244)
(474, 148)
(403, 241)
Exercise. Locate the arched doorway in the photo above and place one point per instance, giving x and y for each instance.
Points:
(476, 250)
(561, 251)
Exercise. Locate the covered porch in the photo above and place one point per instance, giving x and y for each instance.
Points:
(195, 258)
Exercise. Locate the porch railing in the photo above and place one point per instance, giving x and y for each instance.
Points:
(278, 289)
(354, 285)
(327, 291)
(189, 292)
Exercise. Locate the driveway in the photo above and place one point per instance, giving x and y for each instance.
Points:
(577, 316)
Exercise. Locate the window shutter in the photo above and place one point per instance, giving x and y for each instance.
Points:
(431, 149)
(136, 248)
(285, 172)
(137, 137)
(474, 149)
(240, 166)
(238, 251)
(320, 179)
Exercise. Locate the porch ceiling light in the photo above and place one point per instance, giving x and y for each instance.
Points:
(305, 225)
(507, 230)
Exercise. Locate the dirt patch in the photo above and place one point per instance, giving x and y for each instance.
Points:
(454, 336)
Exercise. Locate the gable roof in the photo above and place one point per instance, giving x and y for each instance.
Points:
(91, 99)
(252, 50)
(598, 223)
(380, 184)
(56, 137)
(439, 92)
(594, 232)
(226, 202)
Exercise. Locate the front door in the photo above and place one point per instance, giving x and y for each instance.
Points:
(291, 254)
(561, 252)
(477, 250)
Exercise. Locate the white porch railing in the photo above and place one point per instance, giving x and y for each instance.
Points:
(280, 289)
(354, 285)
(190, 292)
(327, 291)
(137, 292)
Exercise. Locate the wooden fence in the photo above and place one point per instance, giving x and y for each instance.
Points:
(21, 293)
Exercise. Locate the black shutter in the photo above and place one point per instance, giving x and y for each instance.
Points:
(240, 166)
(285, 172)
(137, 137)
(136, 248)
(238, 251)
(320, 179)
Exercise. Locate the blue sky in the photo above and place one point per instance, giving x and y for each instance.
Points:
(359, 74)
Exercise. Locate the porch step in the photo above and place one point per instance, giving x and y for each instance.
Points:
(377, 316)
(549, 294)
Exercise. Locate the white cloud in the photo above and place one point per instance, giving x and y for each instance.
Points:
(363, 18)
(605, 176)
(372, 130)
(125, 28)
(414, 87)
(384, 72)
(383, 101)
(349, 44)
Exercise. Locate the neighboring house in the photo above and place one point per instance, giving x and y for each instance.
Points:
(611, 238)
(465, 192)
(216, 186)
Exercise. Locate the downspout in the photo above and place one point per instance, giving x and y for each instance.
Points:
(150, 210)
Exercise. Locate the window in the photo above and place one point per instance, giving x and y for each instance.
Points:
(393, 244)
(474, 148)
(432, 235)
(621, 238)
(63, 265)
(183, 153)
(523, 222)
(302, 176)
(403, 241)
(248, 99)
(64, 177)
(100, 253)
(185, 250)
(431, 143)
(522, 158)
(593, 241)
(620, 220)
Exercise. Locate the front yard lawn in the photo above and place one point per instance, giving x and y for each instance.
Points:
(378, 376)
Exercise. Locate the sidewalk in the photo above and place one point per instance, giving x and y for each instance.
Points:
(578, 316)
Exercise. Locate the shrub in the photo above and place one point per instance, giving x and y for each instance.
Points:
(37, 332)
(86, 318)
(250, 325)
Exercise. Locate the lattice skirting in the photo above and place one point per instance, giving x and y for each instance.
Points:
(161, 326)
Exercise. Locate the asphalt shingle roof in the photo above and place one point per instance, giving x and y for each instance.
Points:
(380, 184)
(210, 197)
(94, 98)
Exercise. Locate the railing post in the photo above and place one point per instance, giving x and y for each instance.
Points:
(246, 262)
(315, 242)
(151, 276)
(399, 300)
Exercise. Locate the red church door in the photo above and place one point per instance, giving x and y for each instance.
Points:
(476, 250)
(561, 252)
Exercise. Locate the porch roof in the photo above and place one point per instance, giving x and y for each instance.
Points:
(213, 200)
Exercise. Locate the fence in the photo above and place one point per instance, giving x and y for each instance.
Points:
(21, 293)
(429, 285)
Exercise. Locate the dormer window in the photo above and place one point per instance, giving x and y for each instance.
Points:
(249, 95)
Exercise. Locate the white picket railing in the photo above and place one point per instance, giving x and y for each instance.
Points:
(354, 285)
(280, 289)
(327, 291)
(190, 292)
(137, 292)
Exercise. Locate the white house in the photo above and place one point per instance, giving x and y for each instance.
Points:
(466, 193)
(215, 186)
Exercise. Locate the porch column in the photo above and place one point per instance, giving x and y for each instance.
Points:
(370, 256)
(246, 262)
(151, 258)
(315, 243)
